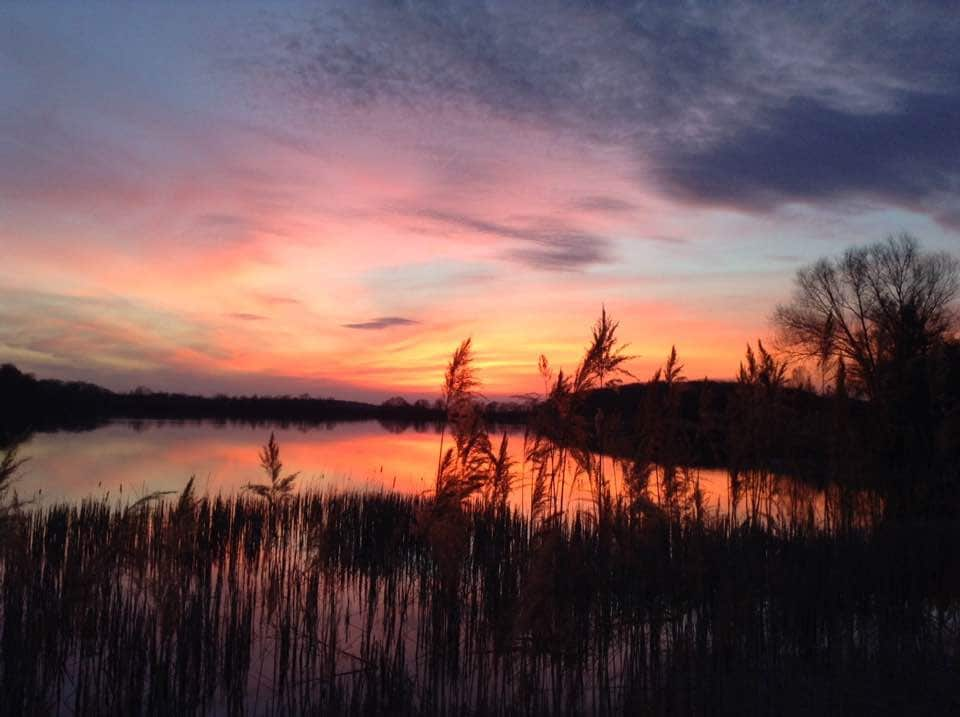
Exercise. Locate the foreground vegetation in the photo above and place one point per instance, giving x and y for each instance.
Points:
(339, 604)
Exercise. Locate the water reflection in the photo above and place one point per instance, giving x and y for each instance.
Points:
(126, 459)
(133, 458)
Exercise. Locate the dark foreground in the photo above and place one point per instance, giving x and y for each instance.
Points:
(373, 604)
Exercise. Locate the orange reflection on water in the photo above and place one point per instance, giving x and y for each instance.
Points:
(125, 460)
(135, 459)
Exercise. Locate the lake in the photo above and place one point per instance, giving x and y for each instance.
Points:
(124, 460)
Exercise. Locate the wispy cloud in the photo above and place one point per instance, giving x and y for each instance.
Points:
(553, 245)
(384, 322)
(561, 253)
(246, 317)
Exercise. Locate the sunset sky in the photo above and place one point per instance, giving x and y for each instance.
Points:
(326, 198)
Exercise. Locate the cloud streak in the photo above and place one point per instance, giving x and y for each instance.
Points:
(384, 322)
(551, 245)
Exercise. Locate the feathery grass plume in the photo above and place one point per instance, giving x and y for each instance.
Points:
(763, 369)
(460, 382)
(458, 391)
(279, 488)
(462, 471)
(561, 435)
(466, 470)
(546, 373)
(602, 366)
(602, 362)
(501, 477)
(673, 369)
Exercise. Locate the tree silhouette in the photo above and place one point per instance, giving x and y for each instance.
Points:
(877, 308)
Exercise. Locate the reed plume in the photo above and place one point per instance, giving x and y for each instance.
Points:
(280, 487)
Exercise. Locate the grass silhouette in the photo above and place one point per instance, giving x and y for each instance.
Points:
(280, 486)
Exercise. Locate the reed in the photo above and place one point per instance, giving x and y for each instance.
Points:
(187, 606)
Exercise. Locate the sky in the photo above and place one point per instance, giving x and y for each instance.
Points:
(327, 197)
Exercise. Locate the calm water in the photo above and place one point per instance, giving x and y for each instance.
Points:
(125, 460)
(134, 458)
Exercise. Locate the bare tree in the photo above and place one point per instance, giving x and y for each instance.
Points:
(875, 309)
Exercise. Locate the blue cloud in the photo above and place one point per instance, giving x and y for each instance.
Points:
(808, 151)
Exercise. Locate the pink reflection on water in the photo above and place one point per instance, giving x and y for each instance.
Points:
(125, 460)
(117, 459)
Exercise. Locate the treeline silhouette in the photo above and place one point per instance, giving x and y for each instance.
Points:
(30, 404)
(49, 402)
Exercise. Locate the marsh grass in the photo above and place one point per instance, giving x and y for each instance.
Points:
(188, 606)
